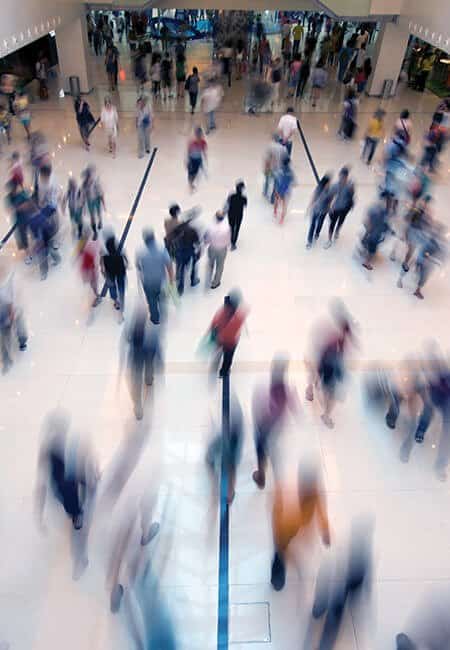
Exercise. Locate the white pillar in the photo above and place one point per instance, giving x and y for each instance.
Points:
(387, 61)
(73, 48)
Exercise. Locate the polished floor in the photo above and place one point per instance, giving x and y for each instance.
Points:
(73, 358)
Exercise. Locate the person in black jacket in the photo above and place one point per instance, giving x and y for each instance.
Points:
(236, 203)
(85, 120)
(185, 243)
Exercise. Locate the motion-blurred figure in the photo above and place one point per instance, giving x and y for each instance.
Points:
(11, 317)
(141, 345)
(225, 331)
(328, 369)
(133, 532)
(229, 447)
(376, 226)
(429, 627)
(318, 208)
(68, 469)
(296, 512)
(350, 581)
(154, 267)
(417, 222)
(218, 239)
(271, 403)
(45, 223)
(93, 197)
(114, 264)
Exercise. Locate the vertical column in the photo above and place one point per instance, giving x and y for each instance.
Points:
(73, 48)
(388, 58)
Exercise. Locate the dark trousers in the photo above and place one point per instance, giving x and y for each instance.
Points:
(317, 220)
(193, 100)
(370, 145)
(337, 218)
(153, 295)
(429, 157)
(235, 225)
(116, 288)
(301, 86)
(227, 360)
(183, 259)
(295, 47)
(46, 250)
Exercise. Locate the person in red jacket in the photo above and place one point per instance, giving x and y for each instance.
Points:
(225, 329)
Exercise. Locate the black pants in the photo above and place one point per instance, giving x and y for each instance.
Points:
(296, 47)
(227, 360)
(301, 86)
(317, 220)
(183, 259)
(337, 218)
(370, 146)
(193, 100)
(235, 225)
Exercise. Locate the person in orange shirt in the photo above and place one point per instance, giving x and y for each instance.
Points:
(225, 329)
(295, 513)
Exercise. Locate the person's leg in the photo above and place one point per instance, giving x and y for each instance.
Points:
(181, 263)
(211, 265)
(341, 219)
(147, 139)
(278, 572)
(152, 296)
(220, 261)
(5, 345)
(112, 288)
(232, 222)
(120, 280)
(312, 228)
(259, 475)
(141, 141)
(373, 147)
(237, 227)
(194, 276)
(227, 360)
(21, 331)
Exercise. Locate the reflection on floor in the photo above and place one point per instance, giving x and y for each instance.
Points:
(74, 364)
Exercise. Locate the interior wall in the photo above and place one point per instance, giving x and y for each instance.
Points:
(24, 21)
(430, 20)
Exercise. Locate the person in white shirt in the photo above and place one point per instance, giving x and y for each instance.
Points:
(210, 101)
(286, 128)
(110, 122)
(218, 238)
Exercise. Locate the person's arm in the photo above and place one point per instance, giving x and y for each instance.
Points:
(322, 517)
(169, 267)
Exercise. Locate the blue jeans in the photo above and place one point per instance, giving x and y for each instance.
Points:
(211, 121)
(116, 288)
(154, 300)
(317, 220)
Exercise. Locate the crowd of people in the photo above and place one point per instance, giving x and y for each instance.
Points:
(401, 216)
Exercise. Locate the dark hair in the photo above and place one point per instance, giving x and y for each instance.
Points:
(290, 110)
(174, 210)
(344, 172)
(326, 178)
(111, 245)
(404, 114)
(240, 185)
(195, 70)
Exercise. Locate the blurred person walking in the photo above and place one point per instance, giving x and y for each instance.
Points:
(11, 317)
(375, 132)
(218, 239)
(319, 207)
(85, 120)
(192, 86)
(318, 80)
(294, 513)
(110, 122)
(196, 156)
(22, 110)
(270, 405)
(234, 208)
(225, 331)
(166, 76)
(180, 73)
(305, 71)
(89, 261)
(211, 98)
(183, 244)
(73, 199)
(112, 65)
(284, 182)
(144, 125)
(93, 197)
(114, 264)
(348, 120)
(154, 266)
(287, 126)
(327, 371)
(342, 201)
(141, 345)
(273, 157)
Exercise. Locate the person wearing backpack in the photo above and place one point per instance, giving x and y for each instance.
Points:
(144, 125)
(192, 85)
